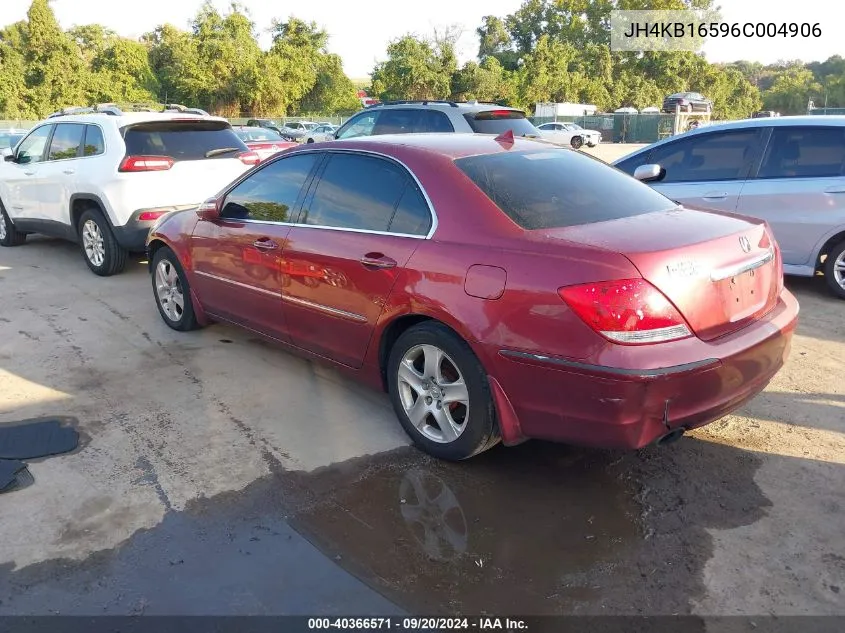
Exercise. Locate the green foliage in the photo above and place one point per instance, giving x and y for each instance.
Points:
(415, 69)
(217, 65)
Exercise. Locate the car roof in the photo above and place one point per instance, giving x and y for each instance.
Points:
(814, 120)
(446, 106)
(445, 144)
(129, 118)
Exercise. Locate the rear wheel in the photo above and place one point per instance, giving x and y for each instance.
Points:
(172, 292)
(576, 142)
(834, 270)
(103, 254)
(310, 140)
(9, 235)
(440, 393)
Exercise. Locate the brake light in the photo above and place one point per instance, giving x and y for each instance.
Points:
(146, 163)
(249, 158)
(628, 311)
(153, 214)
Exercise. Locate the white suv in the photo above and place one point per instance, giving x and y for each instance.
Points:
(101, 177)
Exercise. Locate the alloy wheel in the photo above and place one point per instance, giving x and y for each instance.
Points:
(839, 270)
(169, 290)
(433, 393)
(93, 243)
(2, 226)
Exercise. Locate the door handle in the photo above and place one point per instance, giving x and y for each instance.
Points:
(29, 173)
(265, 244)
(835, 189)
(69, 172)
(378, 260)
(715, 195)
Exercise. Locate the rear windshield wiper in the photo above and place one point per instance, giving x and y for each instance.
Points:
(222, 150)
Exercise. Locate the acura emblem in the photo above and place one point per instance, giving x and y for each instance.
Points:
(745, 244)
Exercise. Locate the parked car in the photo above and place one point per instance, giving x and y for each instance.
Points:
(482, 277)
(650, 110)
(626, 110)
(688, 102)
(270, 124)
(321, 133)
(9, 138)
(297, 130)
(765, 114)
(404, 117)
(787, 171)
(102, 178)
(569, 134)
(263, 141)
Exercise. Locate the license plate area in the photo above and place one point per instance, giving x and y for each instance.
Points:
(745, 294)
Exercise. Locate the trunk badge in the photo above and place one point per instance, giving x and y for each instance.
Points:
(745, 244)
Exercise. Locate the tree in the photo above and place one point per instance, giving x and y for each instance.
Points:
(413, 70)
(792, 90)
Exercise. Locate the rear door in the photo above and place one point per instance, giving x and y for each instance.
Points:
(707, 170)
(58, 172)
(237, 259)
(799, 189)
(358, 228)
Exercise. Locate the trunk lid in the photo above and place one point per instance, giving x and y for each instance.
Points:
(720, 271)
(193, 181)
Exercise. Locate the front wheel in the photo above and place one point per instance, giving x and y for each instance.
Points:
(9, 235)
(104, 256)
(834, 270)
(576, 142)
(310, 140)
(172, 292)
(440, 393)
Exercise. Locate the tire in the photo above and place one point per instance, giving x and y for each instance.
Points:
(169, 282)
(310, 140)
(102, 253)
(9, 235)
(471, 419)
(576, 142)
(834, 270)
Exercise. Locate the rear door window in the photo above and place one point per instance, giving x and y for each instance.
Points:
(559, 188)
(355, 192)
(804, 152)
(499, 121)
(183, 140)
(270, 194)
(398, 121)
(412, 215)
(706, 157)
(94, 143)
(66, 141)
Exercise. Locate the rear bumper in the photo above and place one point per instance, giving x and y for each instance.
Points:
(133, 235)
(611, 407)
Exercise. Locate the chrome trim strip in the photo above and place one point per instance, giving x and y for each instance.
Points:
(732, 271)
(360, 318)
(269, 293)
(602, 369)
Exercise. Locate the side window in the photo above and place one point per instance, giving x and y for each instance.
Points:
(360, 125)
(435, 121)
(412, 215)
(398, 122)
(66, 141)
(94, 143)
(270, 194)
(31, 149)
(355, 192)
(707, 157)
(804, 152)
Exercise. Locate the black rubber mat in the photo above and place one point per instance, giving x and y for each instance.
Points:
(38, 438)
(10, 470)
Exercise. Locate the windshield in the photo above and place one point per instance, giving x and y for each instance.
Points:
(558, 188)
(575, 126)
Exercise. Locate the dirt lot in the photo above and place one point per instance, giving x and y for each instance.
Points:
(218, 474)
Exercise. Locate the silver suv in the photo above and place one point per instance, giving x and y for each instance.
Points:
(789, 171)
(409, 117)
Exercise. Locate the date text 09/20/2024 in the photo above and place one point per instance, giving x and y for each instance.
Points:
(417, 624)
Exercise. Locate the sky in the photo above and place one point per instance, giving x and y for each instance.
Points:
(360, 31)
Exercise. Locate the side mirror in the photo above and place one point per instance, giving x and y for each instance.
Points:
(9, 158)
(210, 210)
(649, 173)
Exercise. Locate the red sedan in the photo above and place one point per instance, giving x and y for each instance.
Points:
(495, 288)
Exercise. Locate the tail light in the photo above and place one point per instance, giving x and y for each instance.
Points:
(628, 311)
(249, 158)
(145, 163)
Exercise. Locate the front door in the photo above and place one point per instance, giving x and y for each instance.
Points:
(358, 228)
(23, 177)
(237, 259)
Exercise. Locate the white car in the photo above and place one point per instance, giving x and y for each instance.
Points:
(570, 134)
(321, 133)
(102, 178)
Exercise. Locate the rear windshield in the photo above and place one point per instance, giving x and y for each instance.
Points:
(559, 187)
(498, 121)
(258, 134)
(183, 140)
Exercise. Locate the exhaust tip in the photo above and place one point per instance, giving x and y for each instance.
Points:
(672, 436)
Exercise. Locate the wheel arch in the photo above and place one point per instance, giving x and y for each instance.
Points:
(81, 202)
(828, 246)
